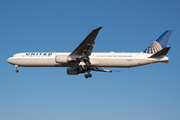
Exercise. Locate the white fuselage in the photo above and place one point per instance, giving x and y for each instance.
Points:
(47, 59)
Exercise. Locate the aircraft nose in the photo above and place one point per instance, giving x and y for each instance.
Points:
(9, 60)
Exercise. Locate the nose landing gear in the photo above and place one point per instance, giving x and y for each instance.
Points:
(17, 68)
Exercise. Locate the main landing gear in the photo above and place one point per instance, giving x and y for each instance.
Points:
(17, 68)
(84, 67)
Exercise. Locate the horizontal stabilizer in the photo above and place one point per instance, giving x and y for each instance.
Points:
(161, 53)
(165, 61)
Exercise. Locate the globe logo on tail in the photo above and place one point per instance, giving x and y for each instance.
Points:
(153, 48)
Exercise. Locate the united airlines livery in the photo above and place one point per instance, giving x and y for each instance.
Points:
(83, 60)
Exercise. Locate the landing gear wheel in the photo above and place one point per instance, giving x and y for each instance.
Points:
(86, 75)
(17, 71)
(89, 75)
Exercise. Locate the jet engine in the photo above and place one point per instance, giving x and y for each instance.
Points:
(72, 71)
(63, 59)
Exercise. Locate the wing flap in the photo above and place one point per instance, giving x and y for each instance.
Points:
(103, 70)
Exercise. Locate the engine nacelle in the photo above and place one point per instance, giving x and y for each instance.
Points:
(62, 59)
(72, 71)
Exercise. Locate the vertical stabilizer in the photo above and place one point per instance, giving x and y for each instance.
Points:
(158, 44)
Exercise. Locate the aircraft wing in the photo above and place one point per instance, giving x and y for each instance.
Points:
(85, 48)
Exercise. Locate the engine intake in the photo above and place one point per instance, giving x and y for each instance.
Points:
(63, 59)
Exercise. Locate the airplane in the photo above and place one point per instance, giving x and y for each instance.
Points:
(83, 60)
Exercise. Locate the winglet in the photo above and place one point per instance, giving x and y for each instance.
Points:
(161, 53)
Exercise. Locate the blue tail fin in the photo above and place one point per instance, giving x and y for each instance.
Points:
(159, 44)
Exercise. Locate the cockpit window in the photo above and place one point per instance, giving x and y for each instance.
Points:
(12, 55)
